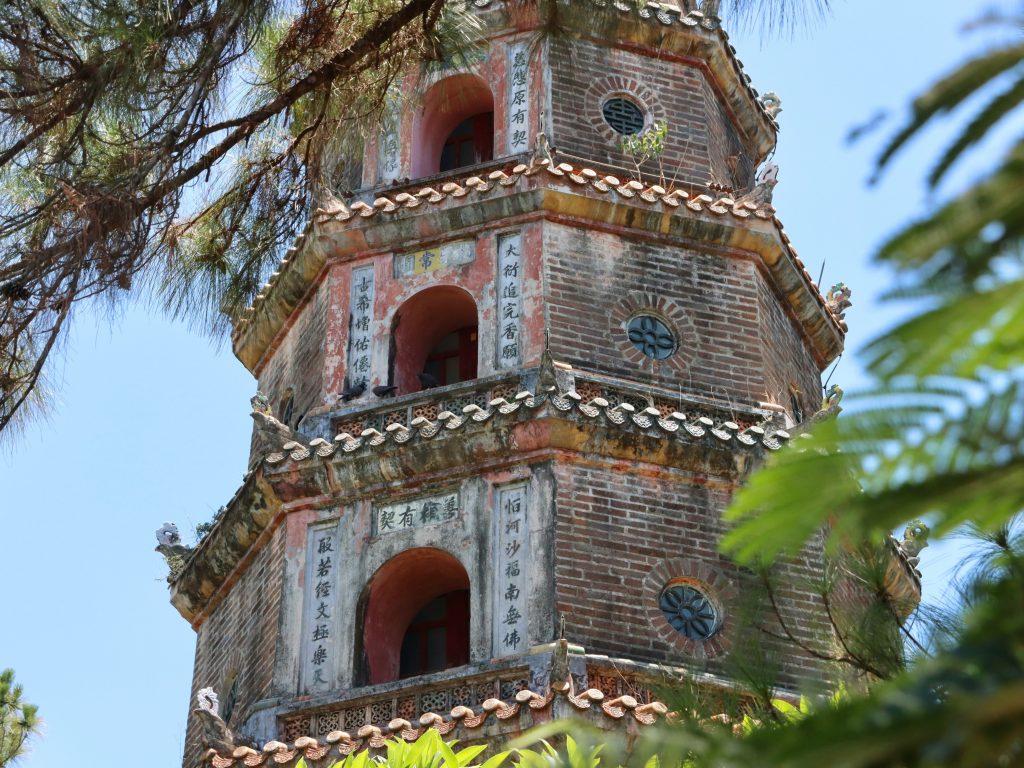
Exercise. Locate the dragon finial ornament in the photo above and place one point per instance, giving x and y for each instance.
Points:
(167, 535)
(772, 104)
(215, 733)
(168, 544)
(271, 434)
(261, 404)
(838, 299)
(560, 678)
(542, 151)
(764, 186)
(833, 395)
(208, 701)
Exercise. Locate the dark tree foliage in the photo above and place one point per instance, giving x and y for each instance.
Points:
(179, 143)
(19, 721)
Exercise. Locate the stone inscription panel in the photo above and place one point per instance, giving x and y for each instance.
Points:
(512, 539)
(389, 151)
(361, 319)
(415, 513)
(518, 113)
(510, 300)
(431, 259)
(319, 628)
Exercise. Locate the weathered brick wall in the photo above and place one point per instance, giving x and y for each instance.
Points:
(613, 528)
(240, 636)
(297, 362)
(787, 364)
(724, 341)
(700, 137)
(733, 165)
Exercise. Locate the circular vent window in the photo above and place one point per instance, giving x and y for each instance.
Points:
(623, 115)
(651, 336)
(689, 611)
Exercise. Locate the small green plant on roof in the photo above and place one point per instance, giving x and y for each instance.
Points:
(204, 528)
(647, 146)
(19, 721)
(428, 751)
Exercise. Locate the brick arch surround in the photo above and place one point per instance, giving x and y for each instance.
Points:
(618, 85)
(677, 319)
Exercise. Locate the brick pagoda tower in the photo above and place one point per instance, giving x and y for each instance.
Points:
(508, 394)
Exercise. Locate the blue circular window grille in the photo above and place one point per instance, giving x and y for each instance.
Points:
(689, 611)
(651, 336)
(623, 116)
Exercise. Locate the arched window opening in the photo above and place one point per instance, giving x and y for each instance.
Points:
(456, 126)
(437, 637)
(286, 407)
(434, 340)
(470, 143)
(454, 358)
(415, 617)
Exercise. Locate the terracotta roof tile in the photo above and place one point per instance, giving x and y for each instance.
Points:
(607, 185)
(339, 744)
(676, 426)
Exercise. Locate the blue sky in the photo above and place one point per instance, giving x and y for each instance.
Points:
(152, 422)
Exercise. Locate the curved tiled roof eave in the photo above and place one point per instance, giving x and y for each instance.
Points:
(255, 330)
(339, 744)
(676, 426)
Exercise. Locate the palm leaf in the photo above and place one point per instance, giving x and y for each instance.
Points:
(950, 92)
(957, 339)
(963, 220)
(978, 129)
(879, 467)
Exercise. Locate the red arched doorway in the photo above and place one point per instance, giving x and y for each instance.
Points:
(434, 333)
(416, 616)
(456, 127)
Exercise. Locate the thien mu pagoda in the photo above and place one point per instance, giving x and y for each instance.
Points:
(506, 389)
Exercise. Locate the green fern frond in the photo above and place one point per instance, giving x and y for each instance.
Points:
(877, 468)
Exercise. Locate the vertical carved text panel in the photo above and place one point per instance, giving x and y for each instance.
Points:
(512, 580)
(510, 301)
(389, 149)
(319, 625)
(361, 318)
(518, 113)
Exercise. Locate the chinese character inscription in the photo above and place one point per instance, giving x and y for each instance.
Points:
(511, 520)
(430, 259)
(359, 339)
(389, 150)
(510, 302)
(318, 629)
(518, 115)
(415, 513)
